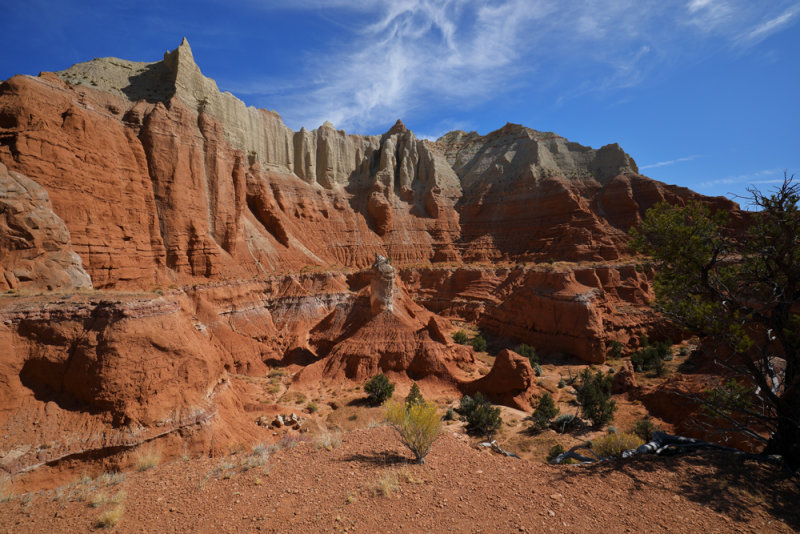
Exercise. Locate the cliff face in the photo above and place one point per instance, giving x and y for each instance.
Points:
(35, 243)
(161, 178)
(117, 175)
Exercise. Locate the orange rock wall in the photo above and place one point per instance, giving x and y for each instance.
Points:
(154, 193)
(572, 310)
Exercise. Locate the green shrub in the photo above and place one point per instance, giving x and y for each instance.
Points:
(652, 357)
(485, 420)
(561, 383)
(644, 428)
(615, 443)
(664, 350)
(417, 424)
(461, 337)
(545, 410)
(479, 343)
(379, 389)
(555, 450)
(615, 350)
(482, 418)
(528, 352)
(537, 369)
(467, 404)
(450, 415)
(565, 422)
(414, 396)
(594, 396)
(728, 398)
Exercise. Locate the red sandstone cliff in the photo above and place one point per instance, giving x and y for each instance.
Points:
(132, 176)
(160, 178)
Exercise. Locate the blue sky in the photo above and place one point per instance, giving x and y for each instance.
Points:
(702, 93)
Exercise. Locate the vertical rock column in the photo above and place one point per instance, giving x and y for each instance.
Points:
(382, 286)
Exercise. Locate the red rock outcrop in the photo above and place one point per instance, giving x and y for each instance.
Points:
(397, 337)
(157, 179)
(86, 374)
(180, 181)
(567, 309)
(511, 381)
(624, 378)
(383, 330)
(36, 247)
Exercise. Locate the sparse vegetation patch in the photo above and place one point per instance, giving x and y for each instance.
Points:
(378, 389)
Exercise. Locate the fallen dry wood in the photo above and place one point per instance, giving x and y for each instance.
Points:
(496, 448)
(662, 444)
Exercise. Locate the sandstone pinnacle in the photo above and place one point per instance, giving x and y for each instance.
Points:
(398, 127)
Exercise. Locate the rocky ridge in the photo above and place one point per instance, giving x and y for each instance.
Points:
(258, 239)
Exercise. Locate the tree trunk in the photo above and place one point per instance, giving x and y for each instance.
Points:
(786, 439)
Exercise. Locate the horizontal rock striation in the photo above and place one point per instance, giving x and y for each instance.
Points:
(563, 308)
(161, 178)
(36, 246)
(241, 244)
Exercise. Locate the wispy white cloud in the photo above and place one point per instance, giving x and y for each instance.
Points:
(670, 162)
(399, 57)
(442, 127)
(757, 177)
(767, 28)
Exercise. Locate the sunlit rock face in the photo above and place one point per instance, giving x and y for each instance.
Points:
(204, 239)
(381, 296)
(36, 249)
(178, 181)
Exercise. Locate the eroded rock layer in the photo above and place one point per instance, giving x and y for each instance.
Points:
(35, 244)
(243, 244)
(160, 177)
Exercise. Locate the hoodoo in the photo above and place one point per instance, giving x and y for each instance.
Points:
(381, 297)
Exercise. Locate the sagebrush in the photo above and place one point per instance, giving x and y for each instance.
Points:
(614, 444)
(417, 424)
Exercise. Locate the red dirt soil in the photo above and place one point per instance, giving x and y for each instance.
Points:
(304, 488)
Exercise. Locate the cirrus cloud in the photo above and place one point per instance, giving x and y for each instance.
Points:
(400, 57)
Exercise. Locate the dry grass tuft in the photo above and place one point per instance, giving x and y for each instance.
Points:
(111, 517)
(147, 458)
(406, 475)
(328, 440)
(110, 479)
(257, 457)
(102, 498)
(5, 492)
(614, 444)
(385, 486)
(98, 499)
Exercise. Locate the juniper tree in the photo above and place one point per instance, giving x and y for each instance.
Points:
(743, 292)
